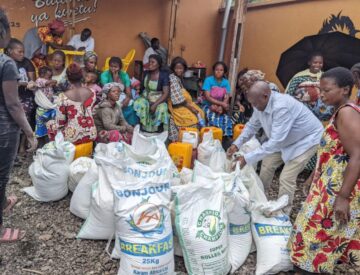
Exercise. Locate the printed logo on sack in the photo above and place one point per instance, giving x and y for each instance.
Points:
(239, 229)
(211, 226)
(147, 219)
(272, 230)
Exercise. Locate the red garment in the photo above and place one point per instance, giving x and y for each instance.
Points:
(74, 119)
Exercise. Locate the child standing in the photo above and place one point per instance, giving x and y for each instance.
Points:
(44, 98)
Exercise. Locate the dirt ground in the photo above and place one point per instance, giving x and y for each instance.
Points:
(50, 246)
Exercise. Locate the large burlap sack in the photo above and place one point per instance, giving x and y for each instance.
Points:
(78, 168)
(201, 225)
(141, 187)
(50, 170)
(81, 198)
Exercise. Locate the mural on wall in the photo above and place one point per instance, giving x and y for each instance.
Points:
(341, 23)
(66, 10)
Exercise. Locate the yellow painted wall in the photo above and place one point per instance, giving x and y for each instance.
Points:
(117, 23)
(270, 30)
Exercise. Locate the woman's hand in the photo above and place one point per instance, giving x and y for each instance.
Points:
(153, 108)
(122, 129)
(225, 105)
(129, 128)
(342, 210)
(32, 141)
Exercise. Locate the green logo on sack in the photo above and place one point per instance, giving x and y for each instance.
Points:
(210, 226)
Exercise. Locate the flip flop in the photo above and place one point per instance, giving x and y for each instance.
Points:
(12, 200)
(12, 235)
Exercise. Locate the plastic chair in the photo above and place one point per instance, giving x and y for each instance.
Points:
(69, 55)
(125, 61)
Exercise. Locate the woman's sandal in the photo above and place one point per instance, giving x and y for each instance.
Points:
(12, 200)
(11, 235)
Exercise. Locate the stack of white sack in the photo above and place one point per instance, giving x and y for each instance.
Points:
(100, 224)
(141, 186)
(50, 170)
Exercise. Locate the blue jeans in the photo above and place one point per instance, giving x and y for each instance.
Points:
(9, 142)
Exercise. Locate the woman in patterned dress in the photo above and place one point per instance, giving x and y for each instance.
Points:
(151, 107)
(183, 111)
(327, 229)
(74, 111)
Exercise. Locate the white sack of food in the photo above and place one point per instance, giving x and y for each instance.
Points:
(271, 235)
(145, 143)
(78, 168)
(49, 172)
(185, 175)
(201, 225)
(100, 223)
(206, 148)
(141, 187)
(67, 147)
(237, 200)
(81, 198)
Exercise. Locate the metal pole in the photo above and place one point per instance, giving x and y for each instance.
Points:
(224, 30)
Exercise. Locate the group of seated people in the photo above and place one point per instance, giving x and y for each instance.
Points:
(89, 105)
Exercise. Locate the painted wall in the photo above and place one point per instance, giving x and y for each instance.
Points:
(270, 30)
(117, 23)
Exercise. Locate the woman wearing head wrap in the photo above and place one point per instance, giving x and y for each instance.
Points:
(37, 39)
(242, 109)
(116, 74)
(74, 110)
(151, 107)
(109, 120)
(90, 64)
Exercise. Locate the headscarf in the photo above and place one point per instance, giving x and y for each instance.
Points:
(249, 78)
(108, 86)
(89, 55)
(57, 25)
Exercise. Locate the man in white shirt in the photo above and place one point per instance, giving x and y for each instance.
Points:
(83, 41)
(293, 131)
(155, 45)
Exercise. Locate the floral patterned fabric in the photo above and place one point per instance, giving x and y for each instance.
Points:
(46, 36)
(317, 243)
(74, 119)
